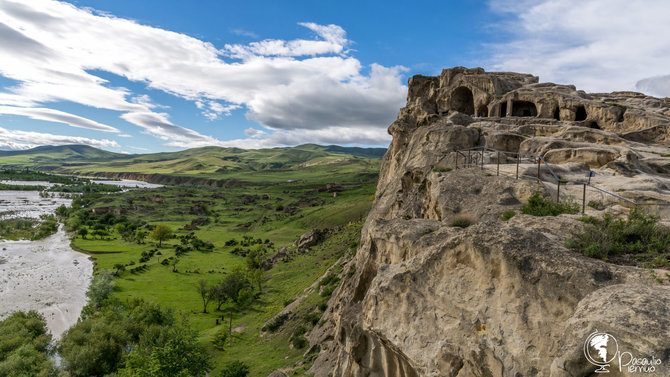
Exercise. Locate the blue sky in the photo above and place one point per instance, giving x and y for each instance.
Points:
(146, 76)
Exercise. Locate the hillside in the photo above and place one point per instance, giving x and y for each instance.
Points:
(211, 166)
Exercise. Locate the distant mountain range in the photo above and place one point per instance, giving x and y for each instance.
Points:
(210, 162)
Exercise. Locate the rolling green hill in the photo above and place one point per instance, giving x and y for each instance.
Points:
(211, 163)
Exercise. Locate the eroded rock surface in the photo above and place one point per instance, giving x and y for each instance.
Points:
(498, 298)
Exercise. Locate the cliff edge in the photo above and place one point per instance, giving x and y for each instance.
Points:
(501, 298)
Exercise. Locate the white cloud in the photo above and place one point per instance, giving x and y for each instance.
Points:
(244, 33)
(598, 45)
(53, 50)
(15, 139)
(57, 116)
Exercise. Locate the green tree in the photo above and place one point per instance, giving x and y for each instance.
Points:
(204, 290)
(161, 233)
(174, 352)
(94, 347)
(82, 232)
(24, 346)
(140, 236)
(233, 286)
(101, 287)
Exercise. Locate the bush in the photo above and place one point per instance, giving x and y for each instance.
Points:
(299, 342)
(101, 287)
(608, 237)
(461, 222)
(219, 339)
(312, 317)
(508, 214)
(235, 369)
(277, 323)
(539, 206)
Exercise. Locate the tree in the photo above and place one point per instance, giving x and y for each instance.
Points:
(205, 293)
(101, 287)
(24, 346)
(140, 235)
(218, 295)
(233, 286)
(173, 263)
(256, 276)
(161, 233)
(175, 352)
(82, 232)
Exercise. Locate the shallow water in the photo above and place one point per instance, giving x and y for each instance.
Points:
(44, 275)
(128, 183)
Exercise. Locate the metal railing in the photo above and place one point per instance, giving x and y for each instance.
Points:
(474, 157)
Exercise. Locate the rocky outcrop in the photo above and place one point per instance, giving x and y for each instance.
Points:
(497, 298)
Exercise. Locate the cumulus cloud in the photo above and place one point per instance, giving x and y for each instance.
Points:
(16, 139)
(599, 45)
(53, 50)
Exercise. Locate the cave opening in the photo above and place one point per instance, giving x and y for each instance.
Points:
(557, 113)
(523, 109)
(482, 111)
(580, 113)
(594, 125)
(503, 109)
(462, 101)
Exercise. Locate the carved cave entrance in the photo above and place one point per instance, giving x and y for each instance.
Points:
(524, 109)
(462, 101)
(580, 113)
(482, 111)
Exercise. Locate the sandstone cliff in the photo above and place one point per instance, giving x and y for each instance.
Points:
(422, 298)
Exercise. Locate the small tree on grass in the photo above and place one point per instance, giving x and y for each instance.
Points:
(140, 236)
(161, 233)
(204, 290)
(234, 286)
(82, 232)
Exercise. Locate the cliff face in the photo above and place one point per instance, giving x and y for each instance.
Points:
(498, 298)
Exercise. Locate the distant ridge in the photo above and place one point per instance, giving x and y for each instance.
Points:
(63, 152)
(211, 161)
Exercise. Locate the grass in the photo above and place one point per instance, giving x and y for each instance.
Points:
(639, 236)
(232, 213)
(540, 206)
(508, 214)
(462, 221)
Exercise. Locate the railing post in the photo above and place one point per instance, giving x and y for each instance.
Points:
(558, 191)
(517, 166)
(498, 163)
(584, 199)
(482, 159)
(539, 161)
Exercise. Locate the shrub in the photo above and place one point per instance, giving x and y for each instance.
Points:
(508, 214)
(539, 206)
(235, 369)
(312, 317)
(219, 339)
(101, 287)
(462, 222)
(608, 237)
(299, 342)
(277, 323)
(596, 205)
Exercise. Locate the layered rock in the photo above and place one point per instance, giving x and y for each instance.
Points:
(423, 298)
